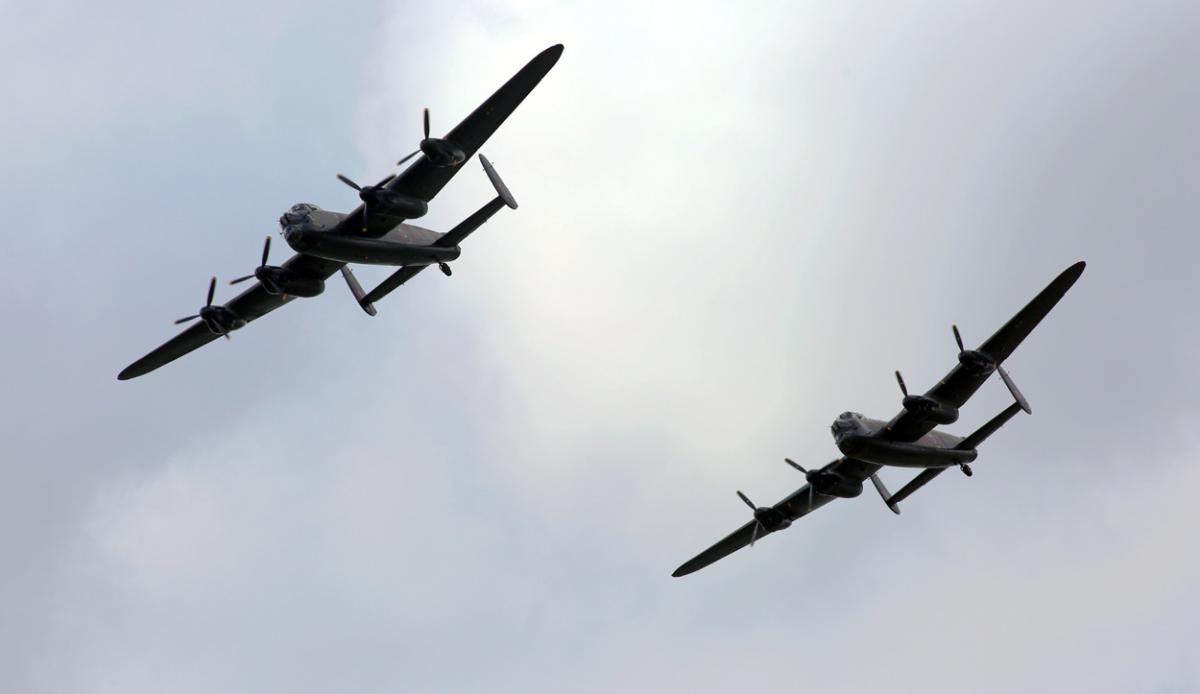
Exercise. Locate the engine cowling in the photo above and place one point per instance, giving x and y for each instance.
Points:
(976, 361)
(833, 484)
(771, 519)
(930, 410)
(278, 280)
(399, 204)
(220, 320)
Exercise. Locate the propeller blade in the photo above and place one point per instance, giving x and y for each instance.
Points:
(957, 338)
(226, 336)
(1012, 388)
(426, 124)
(184, 320)
(754, 533)
(366, 219)
(900, 380)
(748, 502)
(408, 157)
(793, 463)
(241, 279)
(212, 288)
(350, 183)
(811, 493)
(266, 251)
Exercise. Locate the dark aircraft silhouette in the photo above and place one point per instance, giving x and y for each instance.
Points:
(373, 233)
(908, 440)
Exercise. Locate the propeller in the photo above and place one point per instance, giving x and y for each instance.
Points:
(1012, 386)
(900, 380)
(212, 289)
(408, 156)
(810, 476)
(758, 524)
(418, 150)
(439, 152)
(263, 264)
(368, 194)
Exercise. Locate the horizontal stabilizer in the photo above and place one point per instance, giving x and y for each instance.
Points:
(916, 483)
(980, 435)
(464, 228)
(970, 443)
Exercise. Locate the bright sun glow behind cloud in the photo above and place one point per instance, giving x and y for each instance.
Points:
(734, 224)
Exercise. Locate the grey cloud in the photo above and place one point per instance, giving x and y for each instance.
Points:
(734, 225)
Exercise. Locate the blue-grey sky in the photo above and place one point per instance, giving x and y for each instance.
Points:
(735, 223)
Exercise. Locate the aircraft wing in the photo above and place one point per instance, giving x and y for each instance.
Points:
(423, 180)
(799, 503)
(961, 383)
(728, 545)
(253, 303)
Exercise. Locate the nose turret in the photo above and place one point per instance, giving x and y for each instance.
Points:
(846, 424)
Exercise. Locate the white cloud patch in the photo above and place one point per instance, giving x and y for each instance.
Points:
(734, 224)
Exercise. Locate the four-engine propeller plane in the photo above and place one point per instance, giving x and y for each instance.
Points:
(373, 233)
(908, 440)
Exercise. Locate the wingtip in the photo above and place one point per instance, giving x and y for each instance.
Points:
(1071, 274)
(690, 566)
(552, 53)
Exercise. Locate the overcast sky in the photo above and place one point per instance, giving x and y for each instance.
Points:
(737, 219)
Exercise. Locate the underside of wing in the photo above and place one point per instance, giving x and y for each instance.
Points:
(196, 336)
(251, 304)
(423, 180)
(728, 545)
(961, 383)
(800, 503)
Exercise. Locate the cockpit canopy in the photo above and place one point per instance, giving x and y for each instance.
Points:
(847, 422)
(298, 214)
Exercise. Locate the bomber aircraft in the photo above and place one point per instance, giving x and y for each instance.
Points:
(374, 233)
(908, 440)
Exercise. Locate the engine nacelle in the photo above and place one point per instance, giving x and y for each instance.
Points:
(771, 519)
(976, 361)
(278, 280)
(399, 204)
(930, 410)
(220, 320)
(833, 484)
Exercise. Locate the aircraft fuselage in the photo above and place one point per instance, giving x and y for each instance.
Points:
(321, 233)
(864, 439)
(356, 248)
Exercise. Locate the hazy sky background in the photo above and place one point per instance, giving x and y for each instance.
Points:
(736, 220)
